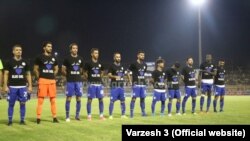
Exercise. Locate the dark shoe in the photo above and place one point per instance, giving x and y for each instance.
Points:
(55, 120)
(77, 118)
(22, 122)
(38, 121)
(9, 123)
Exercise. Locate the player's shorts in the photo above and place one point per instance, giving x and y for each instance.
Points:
(95, 91)
(17, 93)
(117, 93)
(46, 87)
(74, 88)
(219, 91)
(190, 91)
(139, 91)
(172, 93)
(159, 95)
(205, 87)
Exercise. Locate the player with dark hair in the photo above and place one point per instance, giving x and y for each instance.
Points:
(72, 68)
(17, 83)
(219, 83)
(188, 75)
(173, 75)
(158, 81)
(138, 82)
(116, 73)
(46, 69)
(207, 72)
(93, 72)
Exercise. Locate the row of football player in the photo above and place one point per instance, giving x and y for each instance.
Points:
(17, 75)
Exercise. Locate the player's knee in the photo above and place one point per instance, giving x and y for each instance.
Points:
(142, 99)
(22, 103)
(170, 100)
(203, 95)
(89, 100)
(178, 100)
(133, 99)
(100, 100)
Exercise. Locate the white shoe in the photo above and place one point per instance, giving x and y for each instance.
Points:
(110, 117)
(178, 114)
(124, 116)
(67, 119)
(169, 115)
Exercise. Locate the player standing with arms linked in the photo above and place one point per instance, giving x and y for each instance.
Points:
(219, 84)
(72, 68)
(46, 69)
(159, 81)
(173, 76)
(138, 82)
(17, 83)
(206, 78)
(116, 73)
(94, 71)
(188, 75)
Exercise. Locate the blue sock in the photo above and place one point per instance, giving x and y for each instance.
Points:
(123, 107)
(169, 107)
(221, 104)
(142, 104)
(22, 111)
(153, 106)
(162, 107)
(202, 102)
(132, 106)
(11, 110)
(215, 104)
(193, 105)
(178, 106)
(89, 106)
(67, 108)
(101, 106)
(184, 104)
(78, 108)
(111, 107)
(208, 102)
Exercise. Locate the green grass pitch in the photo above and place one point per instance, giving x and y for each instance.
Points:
(235, 112)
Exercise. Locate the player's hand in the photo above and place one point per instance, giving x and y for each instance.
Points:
(30, 89)
(6, 89)
(117, 77)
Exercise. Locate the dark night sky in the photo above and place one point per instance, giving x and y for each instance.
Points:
(167, 28)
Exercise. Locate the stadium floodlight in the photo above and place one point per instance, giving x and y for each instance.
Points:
(199, 3)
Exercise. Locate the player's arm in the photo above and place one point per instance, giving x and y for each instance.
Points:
(36, 71)
(113, 76)
(129, 77)
(5, 81)
(29, 80)
(56, 70)
(1, 75)
(64, 70)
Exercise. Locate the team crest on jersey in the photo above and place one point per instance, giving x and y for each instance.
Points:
(53, 59)
(141, 72)
(96, 71)
(75, 67)
(99, 65)
(18, 70)
(79, 61)
(23, 63)
(121, 68)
